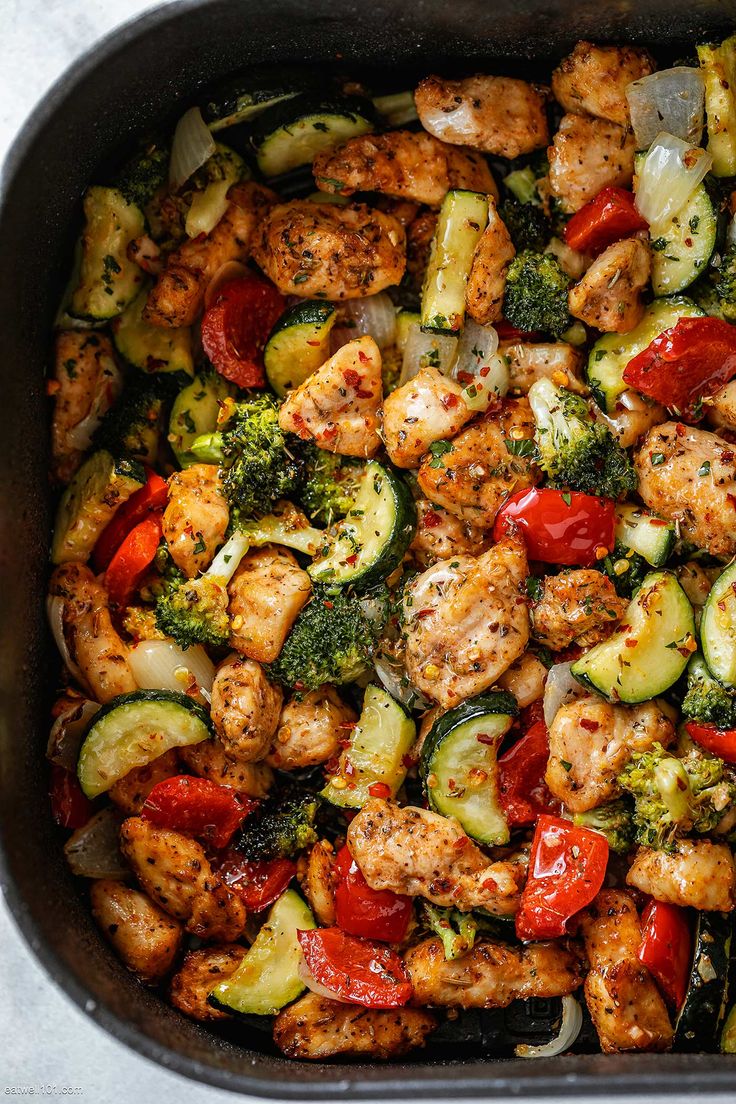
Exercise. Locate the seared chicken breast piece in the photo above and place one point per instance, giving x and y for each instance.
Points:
(245, 708)
(144, 937)
(196, 517)
(587, 155)
(609, 296)
(197, 976)
(86, 383)
(698, 874)
(579, 606)
(592, 80)
(317, 1028)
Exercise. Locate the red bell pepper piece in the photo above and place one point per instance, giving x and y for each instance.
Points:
(69, 806)
(236, 326)
(259, 884)
(361, 972)
(507, 332)
(153, 496)
(608, 217)
(373, 913)
(566, 870)
(521, 786)
(666, 948)
(561, 527)
(718, 741)
(196, 807)
(132, 559)
(685, 364)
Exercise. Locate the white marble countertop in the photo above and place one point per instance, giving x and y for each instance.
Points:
(48, 1046)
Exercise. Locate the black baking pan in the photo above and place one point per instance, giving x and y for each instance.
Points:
(133, 79)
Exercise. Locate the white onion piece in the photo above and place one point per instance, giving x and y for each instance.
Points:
(163, 665)
(671, 100)
(670, 174)
(559, 689)
(477, 357)
(393, 677)
(459, 127)
(231, 270)
(312, 984)
(55, 613)
(374, 315)
(193, 145)
(207, 208)
(570, 1027)
(107, 389)
(65, 737)
(94, 850)
(426, 349)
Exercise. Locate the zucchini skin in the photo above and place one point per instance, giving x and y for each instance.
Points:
(497, 701)
(718, 644)
(275, 127)
(171, 697)
(698, 1022)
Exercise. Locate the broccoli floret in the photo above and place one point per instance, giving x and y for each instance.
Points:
(144, 174)
(706, 700)
(575, 451)
(260, 463)
(330, 485)
(536, 293)
(333, 639)
(281, 828)
(626, 569)
(614, 821)
(726, 284)
(132, 427)
(676, 795)
(527, 225)
(457, 930)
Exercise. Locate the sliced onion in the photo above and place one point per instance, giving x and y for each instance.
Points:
(459, 126)
(670, 174)
(671, 100)
(477, 357)
(107, 389)
(231, 270)
(67, 731)
(394, 679)
(163, 665)
(560, 689)
(55, 612)
(570, 1027)
(312, 984)
(207, 208)
(375, 315)
(193, 145)
(94, 850)
(423, 349)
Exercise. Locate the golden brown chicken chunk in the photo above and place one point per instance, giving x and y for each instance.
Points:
(209, 760)
(428, 408)
(587, 155)
(266, 594)
(310, 728)
(316, 1028)
(592, 80)
(326, 251)
(698, 874)
(196, 517)
(525, 679)
(130, 792)
(609, 296)
(245, 708)
(579, 606)
(500, 115)
(440, 535)
(487, 280)
(419, 236)
(318, 880)
(527, 362)
(144, 937)
(405, 163)
(199, 973)
(85, 385)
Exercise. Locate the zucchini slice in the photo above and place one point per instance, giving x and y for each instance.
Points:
(462, 220)
(378, 746)
(109, 281)
(238, 100)
(612, 352)
(699, 1019)
(367, 545)
(195, 411)
(649, 651)
(652, 537)
(100, 486)
(298, 344)
(459, 766)
(293, 133)
(682, 251)
(134, 729)
(718, 66)
(718, 628)
(268, 977)
(152, 349)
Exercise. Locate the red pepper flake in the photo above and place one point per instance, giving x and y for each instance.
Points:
(379, 789)
(726, 457)
(330, 432)
(459, 843)
(680, 429)
(343, 741)
(352, 560)
(631, 642)
(347, 726)
(299, 685)
(431, 519)
(351, 377)
(328, 604)
(489, 884)
(465, 377)
(409, 761)
(363, 358)
(332, 765)
(589, 726)
(484, 371)
(425, 613)
(448, 401)
(484, 738)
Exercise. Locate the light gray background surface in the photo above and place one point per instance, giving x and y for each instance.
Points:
(48, 1048)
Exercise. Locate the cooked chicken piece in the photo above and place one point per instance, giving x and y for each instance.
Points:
(440, 535)
(698, 874)
(466, 621)
(93, 643)
(266, 594)
(573, 263)
(587, 155)
(175, 871)
(310, 729)
(487, 280)
(196, 517)
(474, 477)
(316, 1028)
(525, 679)
(404, 163)
(419, 237)
(429, 408)
(199, 973)
(609, 296)
(579, 606)
(529, 362)
(245, 708)
(421, 853)
(405, 210)
(635, 414)
(86, 383)
(624, 1003)
(695, 581)
(177, 297)
(500, 115)
(318, 881)
(591, 741)
(130, 792)
(327, 251)
(688, 475)
(337, 406)
(144, 937)
(592, 80)
(720, 409)
(491, 975)
(209, 760)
